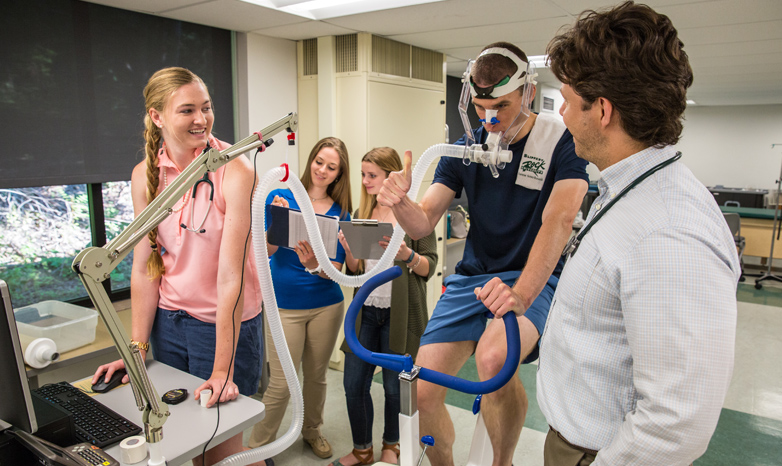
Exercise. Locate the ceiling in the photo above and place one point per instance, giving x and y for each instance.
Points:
(735, 46)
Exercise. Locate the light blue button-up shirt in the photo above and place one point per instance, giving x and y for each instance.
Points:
(637, 354)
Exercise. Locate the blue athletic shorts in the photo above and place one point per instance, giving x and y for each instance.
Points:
(188, 344)
(459, 316)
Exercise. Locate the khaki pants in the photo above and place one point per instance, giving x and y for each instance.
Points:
(311, 335)
(559, 452)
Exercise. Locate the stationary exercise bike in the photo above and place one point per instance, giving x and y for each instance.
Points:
(480, 451)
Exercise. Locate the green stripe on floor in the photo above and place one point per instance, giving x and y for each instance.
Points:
(744, 439)
(768, 295)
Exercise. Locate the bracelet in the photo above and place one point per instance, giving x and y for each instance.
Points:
(417, 263)
(314, 271)
(140, 345)
(410, 259)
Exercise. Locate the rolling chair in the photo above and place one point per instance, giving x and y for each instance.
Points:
(734, 223)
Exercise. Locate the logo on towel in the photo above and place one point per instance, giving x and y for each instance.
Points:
(534, 165)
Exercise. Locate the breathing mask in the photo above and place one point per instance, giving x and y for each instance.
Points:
(494, 153)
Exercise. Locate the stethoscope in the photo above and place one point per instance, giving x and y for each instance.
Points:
(574, 242)
(200, 228)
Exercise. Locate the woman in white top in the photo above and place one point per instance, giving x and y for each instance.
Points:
(392, 319)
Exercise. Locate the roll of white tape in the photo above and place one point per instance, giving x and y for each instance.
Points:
(133, 449)
(205, 395)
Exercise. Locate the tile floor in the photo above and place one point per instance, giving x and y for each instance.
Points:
(749, 431)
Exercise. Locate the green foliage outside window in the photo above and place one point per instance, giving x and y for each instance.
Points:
(43, 228)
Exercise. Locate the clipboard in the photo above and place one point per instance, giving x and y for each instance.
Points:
(286, 228)
(363, 237)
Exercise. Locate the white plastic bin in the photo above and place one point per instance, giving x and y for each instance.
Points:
(70, 326)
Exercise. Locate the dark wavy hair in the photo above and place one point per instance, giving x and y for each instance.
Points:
(632, 56)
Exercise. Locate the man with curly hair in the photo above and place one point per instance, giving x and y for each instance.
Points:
(637, 354)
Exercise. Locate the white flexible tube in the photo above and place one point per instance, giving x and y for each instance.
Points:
(270, 300)
(275, 328)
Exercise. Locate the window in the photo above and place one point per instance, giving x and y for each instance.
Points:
(73, 87)
(117, 214)
(41, 230)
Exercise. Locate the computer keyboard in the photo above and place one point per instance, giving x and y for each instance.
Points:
(95, 423)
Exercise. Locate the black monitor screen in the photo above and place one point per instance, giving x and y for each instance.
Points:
(16, 408)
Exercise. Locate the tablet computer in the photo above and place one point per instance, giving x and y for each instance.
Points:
(286, 228)
(364, 236)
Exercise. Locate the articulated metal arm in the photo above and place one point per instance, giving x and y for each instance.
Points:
(93, 265)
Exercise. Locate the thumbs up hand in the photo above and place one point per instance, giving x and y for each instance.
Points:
(397, 185)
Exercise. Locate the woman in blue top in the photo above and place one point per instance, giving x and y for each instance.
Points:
(311, 305)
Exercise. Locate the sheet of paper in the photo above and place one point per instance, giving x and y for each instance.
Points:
(329, 229)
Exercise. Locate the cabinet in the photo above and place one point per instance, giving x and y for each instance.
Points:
(370, 92)
(739, 197)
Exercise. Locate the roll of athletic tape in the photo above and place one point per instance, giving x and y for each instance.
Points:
(205, 395)
(133, 449)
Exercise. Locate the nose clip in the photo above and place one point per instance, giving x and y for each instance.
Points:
(491, 117)
(493, 120)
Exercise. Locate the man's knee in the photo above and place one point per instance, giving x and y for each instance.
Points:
(490, 357)
(430, 397)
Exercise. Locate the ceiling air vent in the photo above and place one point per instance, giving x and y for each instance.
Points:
(310, 59)
(390, 57)
(347, 53)
(427, 65)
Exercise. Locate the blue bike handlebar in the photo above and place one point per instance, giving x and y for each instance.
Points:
(404, 363)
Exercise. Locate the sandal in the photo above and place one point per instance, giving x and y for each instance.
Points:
(393, 447)
(364, 457)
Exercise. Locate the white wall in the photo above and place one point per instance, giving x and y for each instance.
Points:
(266, 91)
(727, 145)
(731, 145)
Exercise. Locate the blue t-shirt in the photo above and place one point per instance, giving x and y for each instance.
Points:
(294, 287)
(505, 217)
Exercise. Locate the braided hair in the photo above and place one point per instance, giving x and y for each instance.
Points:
(158, 90)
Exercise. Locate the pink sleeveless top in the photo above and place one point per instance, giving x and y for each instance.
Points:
(191, 259)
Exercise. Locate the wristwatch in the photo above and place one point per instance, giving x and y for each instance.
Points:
(141, 345)
(314, 271)
(410, 259)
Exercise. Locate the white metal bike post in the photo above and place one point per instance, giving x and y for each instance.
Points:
(408, 417)
(481, 453)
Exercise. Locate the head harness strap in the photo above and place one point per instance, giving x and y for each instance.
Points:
(507, 84)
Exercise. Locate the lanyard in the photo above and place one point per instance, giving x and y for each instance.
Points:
(574, 242)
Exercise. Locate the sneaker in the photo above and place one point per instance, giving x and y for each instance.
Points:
(320, 446)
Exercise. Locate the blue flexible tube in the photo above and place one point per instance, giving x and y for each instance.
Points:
(404, 363)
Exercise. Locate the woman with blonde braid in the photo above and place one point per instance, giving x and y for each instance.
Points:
(195, 295)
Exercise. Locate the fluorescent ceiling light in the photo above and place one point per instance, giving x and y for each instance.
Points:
(324, 9)
(538, 60)
(691, 102)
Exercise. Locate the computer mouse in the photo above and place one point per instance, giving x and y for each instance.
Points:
(116, 379)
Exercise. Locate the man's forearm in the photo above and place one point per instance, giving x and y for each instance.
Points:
(413, 218)
(543, 257)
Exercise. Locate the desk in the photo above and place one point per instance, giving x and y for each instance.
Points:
(756, 226)
(189, 426)
(103, 344)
